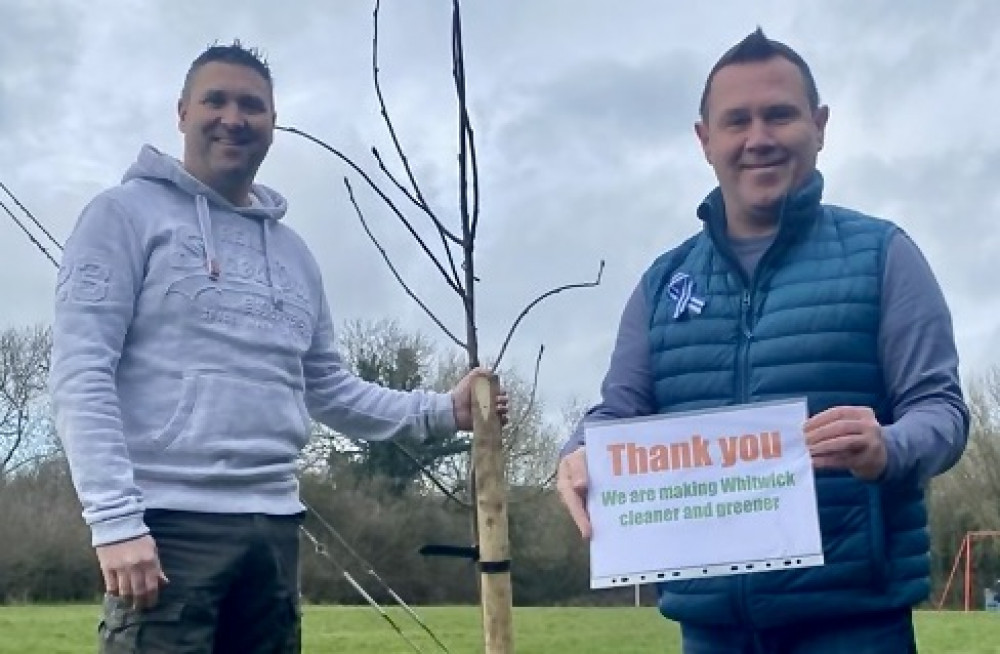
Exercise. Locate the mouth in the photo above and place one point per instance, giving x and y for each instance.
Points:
(231, 142)
(766, 165)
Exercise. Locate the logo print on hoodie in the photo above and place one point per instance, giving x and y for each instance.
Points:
(83, 281)
(242, 297)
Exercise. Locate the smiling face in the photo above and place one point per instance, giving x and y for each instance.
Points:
(762, 137)
(227, 117)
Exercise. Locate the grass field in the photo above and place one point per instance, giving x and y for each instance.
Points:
(350, 630)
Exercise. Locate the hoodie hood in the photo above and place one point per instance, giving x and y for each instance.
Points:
(267, 205)
(155, 165)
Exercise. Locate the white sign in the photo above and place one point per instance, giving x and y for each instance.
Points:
(701, 494)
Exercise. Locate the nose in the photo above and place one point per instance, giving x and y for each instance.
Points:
(232, 116)
(759, 136)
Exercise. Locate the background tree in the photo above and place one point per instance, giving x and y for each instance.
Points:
(966, 498)
(382, 351)
(26, 431)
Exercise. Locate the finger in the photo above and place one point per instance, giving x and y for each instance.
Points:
(152, 581)
(840, 428)
(572, 484)
(830, 416)
(110, 581)
(577, 464)
(137, 578)
(835, 446)
(124, 584)
(836, 413)
(825, 432)
(576, 507)
(822, 419)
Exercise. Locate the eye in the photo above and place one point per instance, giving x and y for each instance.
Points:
(781, 114)
(214, 100)
(252, 104)
(736, 120)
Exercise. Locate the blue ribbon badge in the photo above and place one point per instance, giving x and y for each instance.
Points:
(681, 290)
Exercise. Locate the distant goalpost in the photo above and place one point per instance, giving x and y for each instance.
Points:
(965, 551)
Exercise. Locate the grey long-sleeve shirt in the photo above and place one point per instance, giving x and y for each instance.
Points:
(916, 349)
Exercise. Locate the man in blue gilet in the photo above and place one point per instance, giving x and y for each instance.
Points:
(778, 296)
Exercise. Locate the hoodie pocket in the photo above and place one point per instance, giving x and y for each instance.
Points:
(224, 417)
(182, 414)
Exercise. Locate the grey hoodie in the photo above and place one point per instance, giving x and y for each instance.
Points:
(192, 343)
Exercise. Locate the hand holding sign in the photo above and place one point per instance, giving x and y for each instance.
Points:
(847, 437)
(572, 483)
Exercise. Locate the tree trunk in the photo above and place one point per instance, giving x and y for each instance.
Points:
(496, 596)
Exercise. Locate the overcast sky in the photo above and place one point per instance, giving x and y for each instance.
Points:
(584, 114)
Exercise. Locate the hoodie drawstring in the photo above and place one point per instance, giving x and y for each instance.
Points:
(212, 261)
(204, 223)
(276, 298)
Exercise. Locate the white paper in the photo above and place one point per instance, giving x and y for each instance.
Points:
(701, 494)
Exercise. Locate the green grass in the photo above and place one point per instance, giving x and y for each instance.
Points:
(360, 630)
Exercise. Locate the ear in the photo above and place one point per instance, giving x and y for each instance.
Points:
(181, 113)
(820, 118)
(701, 130)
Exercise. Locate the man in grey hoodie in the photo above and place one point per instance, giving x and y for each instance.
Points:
(192, 345)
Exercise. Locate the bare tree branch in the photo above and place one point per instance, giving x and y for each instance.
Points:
(443, 233)
(392, 267)
(548, 480)
(417, 196)
(543, 296)
(31, 216)
(526, 413)
(385, 198)
(468, 260)
(458, 73)
(27, 232)
(419, 200)
(430, 475)
(18, 436)
(37, 458)
(467, 163)
(474, 164)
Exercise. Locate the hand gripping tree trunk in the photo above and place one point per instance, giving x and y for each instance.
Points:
(487, 486)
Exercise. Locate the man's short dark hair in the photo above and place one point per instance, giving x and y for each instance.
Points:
(234, 53)
(755, 48)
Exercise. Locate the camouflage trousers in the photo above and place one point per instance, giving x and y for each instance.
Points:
(233, 589)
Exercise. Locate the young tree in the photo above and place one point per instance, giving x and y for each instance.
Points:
(455, 261)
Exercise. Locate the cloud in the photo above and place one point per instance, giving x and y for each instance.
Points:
(583, 111)
(954, 224)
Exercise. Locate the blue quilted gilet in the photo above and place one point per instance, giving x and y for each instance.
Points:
(806, 325)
